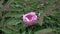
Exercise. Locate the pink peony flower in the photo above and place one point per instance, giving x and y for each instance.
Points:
(30, 18)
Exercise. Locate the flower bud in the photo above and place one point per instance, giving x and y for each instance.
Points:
(30, 18)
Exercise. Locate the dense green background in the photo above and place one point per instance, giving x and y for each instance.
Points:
(48, 12)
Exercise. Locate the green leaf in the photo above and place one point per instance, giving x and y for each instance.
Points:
(7, 30)
(11, 14)
(1, 11)
(13, 21)
(1, 23)
(48, 30)
(20, 26)
(24, 32)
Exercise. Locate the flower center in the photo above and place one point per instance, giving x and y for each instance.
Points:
(29, 17)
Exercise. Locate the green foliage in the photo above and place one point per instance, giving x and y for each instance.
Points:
(47, 30)
(13, 21)
(11, 14)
